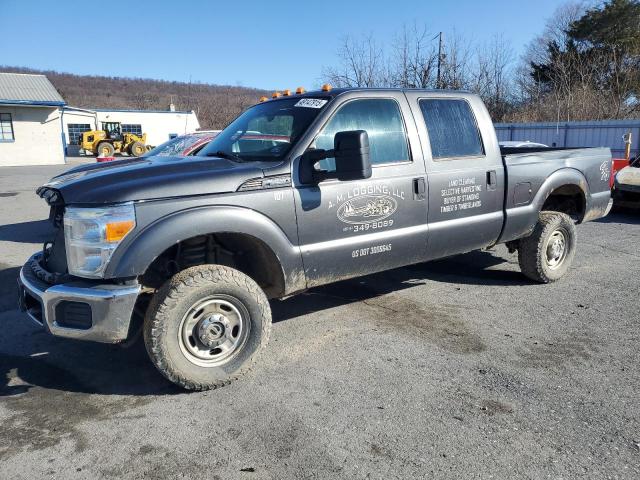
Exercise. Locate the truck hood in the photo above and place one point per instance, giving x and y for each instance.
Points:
(148, 178)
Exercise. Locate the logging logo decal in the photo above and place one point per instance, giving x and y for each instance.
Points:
(365, 209)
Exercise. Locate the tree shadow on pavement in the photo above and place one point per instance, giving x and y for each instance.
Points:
(37, 231)
(627, 216)
(8, 287)
(473, 268)
(30, 357)
(468, 269)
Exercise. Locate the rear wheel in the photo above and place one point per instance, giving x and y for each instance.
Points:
(105, 150)
(137, 149)
(206, 325)
(546, 255)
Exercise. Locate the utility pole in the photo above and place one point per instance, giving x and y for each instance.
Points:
(186, 117)
(439, 79)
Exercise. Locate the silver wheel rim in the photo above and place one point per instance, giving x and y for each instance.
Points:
(556, 249)
(213, 330)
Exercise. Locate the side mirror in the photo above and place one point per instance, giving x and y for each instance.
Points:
(351, 153)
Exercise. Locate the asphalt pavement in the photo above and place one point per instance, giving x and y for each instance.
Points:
(459, 368)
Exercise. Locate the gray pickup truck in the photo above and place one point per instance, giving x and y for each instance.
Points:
(299, 191)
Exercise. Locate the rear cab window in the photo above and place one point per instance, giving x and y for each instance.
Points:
(452, 127)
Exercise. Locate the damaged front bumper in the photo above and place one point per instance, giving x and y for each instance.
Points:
(80, 309)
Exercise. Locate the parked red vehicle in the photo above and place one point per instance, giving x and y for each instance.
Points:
(617, 164)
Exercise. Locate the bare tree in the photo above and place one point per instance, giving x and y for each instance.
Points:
(492, 76)
(569, 74)
(456, 63)
(415, 58)
(361, 64)
(410, 63)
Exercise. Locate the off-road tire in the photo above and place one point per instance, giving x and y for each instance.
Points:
(532, 250)
(137, 147)
(172, 302)
(107, 146)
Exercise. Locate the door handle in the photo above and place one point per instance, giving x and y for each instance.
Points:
(419, 188)
(492, 180)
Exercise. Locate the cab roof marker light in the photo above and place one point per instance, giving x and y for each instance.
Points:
(276, 95)
(286, 93)
(263, 99)
(300, 90)
(326, 87)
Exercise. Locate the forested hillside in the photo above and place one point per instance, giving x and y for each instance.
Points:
(215, 105)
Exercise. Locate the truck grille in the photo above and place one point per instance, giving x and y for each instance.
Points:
(54, 257)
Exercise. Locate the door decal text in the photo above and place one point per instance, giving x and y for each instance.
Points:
(461, 194)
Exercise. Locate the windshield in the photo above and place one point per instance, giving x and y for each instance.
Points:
(267, 131)
(174, 147)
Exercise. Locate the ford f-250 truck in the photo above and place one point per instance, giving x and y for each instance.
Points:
(298, 191)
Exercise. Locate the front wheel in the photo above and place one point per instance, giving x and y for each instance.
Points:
(137, 149)
(106, 150)
(546, 255)
(206, 325)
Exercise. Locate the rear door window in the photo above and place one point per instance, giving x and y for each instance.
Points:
(452, 127)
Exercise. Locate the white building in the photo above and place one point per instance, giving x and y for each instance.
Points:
(30, 128)
(159, 125)
(38, 128)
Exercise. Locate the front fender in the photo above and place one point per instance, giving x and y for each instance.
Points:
(134, 256)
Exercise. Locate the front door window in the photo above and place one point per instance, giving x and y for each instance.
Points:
(382, 120)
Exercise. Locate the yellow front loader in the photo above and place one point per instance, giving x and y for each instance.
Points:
(110, 140)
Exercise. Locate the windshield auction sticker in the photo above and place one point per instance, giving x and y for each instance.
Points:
(311, 103)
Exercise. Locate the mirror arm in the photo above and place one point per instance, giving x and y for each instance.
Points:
(352, 154)
(320, 175)
(308, 174)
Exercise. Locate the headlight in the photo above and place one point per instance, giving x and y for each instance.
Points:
(92, 234)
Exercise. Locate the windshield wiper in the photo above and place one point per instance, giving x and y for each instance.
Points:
(227, 155)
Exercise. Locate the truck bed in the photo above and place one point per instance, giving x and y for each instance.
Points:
(533, 173)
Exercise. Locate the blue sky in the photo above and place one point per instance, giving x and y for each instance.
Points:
(280, 44)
